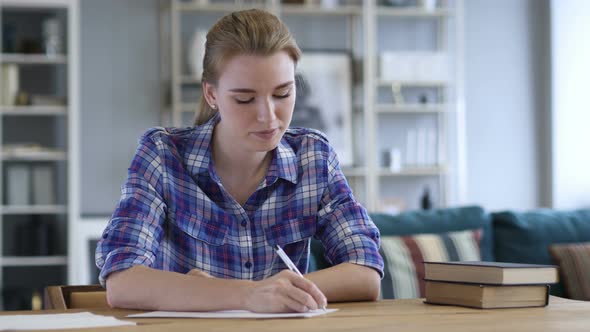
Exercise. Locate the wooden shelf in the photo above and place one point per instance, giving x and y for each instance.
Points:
(33, 209)
(414, 171)
(34, 156)
(434, 83)
(33, 260)
(214, 8)
(346, 10)
(343, 10)
(286, 9)
(35, 4)
(33, 110)
(411, 108)
(412, 12)
(33, 59)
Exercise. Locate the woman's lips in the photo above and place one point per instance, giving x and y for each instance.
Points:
(266, 134)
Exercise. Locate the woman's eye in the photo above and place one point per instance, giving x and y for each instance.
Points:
(283, 96)
(244, 101)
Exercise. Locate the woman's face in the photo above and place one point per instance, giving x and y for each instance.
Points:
(255, 96)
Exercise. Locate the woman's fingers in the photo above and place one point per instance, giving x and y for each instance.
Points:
(300, 296)
(293, 305)
(285, 291)
(311, 289)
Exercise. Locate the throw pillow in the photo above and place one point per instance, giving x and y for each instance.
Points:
(574, 263)
(525, 237)
(403, 257)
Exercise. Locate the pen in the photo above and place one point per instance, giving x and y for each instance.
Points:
(290, 264)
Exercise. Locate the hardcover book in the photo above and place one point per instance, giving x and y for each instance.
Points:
(491, 273)
(486, 296)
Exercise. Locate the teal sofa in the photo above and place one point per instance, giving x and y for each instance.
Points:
(508, 236)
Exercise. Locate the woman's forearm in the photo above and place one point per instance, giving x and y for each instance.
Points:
(347, 282)
(145, 288)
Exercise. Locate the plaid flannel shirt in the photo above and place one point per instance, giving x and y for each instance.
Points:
(175, 215)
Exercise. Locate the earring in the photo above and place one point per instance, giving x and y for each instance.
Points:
(213, 106)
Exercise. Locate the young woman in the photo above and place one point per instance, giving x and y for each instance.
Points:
(203, 207)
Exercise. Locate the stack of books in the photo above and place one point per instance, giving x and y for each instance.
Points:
(488, 284)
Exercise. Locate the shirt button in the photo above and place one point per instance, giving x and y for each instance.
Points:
(248, 265)
(244, 223)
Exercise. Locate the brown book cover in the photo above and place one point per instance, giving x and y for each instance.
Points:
(486, 296)
(491, 273)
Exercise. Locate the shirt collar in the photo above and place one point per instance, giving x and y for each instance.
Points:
(283, 164)
(198, 159)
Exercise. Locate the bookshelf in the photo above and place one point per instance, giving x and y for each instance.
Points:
(34, 59)
(38, 116)
(366, 30)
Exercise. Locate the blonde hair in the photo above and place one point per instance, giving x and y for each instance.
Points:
(246, 32)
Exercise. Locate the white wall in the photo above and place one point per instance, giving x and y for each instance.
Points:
(505, 108)
(570, 54)
(120, 93)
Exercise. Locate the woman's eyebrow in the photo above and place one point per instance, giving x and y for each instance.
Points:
(244, 90)
(241, 90)
(284, 85)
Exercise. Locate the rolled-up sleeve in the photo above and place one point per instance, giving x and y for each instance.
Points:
(344, 226)
(133, 234)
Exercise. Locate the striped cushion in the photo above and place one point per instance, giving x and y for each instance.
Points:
(574, 268)
(404, 256)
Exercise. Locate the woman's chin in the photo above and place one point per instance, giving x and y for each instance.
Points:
(263, 143)
(264, 146)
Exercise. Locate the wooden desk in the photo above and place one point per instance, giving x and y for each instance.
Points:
(387, 315)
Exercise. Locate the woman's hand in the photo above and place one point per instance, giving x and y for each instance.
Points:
(283, 292)
(199, 273)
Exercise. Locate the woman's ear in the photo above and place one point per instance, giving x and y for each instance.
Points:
(210, 94)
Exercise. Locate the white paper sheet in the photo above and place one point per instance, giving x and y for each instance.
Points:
(229, 314)
(58, 321)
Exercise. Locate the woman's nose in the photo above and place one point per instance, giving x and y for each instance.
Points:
(266, 113)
